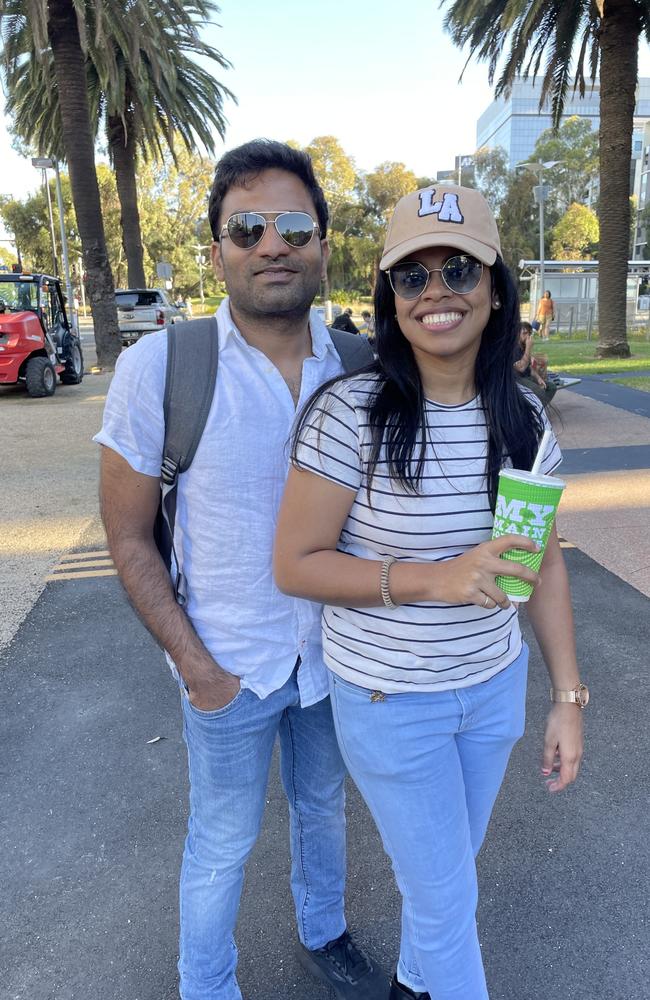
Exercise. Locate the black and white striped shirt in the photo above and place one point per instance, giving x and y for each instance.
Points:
(432, 646)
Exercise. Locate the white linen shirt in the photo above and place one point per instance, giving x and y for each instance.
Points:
(229, 498)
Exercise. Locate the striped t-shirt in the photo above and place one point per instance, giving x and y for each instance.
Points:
(425, 646)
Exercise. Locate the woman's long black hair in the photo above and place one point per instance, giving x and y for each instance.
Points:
(396, 412)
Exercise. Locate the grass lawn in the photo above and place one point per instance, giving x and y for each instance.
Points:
(578, 357)
(634, 383)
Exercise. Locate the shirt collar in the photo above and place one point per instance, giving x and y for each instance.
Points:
(321, 342)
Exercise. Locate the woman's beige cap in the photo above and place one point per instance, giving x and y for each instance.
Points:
(443, 215)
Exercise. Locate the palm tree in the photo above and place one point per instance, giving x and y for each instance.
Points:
(159, 95)
(63, 26)
(143, 87)
(594, 32)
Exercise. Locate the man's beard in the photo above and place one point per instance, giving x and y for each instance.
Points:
(291, 300)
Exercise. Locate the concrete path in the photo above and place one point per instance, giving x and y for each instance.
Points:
(92, 814)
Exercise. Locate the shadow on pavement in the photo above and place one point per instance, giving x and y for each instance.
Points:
(92, 821)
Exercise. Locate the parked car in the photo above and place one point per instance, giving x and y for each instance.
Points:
(37, 340)
(143, 310)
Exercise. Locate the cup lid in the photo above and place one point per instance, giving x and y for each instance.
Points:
(535, 478)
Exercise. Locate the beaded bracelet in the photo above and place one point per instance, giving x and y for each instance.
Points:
(384, 588)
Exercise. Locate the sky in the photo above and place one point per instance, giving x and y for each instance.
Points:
(381, 76)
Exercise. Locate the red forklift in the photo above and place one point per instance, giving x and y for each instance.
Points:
(38, 343)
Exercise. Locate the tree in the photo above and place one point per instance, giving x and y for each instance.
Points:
(518, 221)
(147, 92)
(174, 216)
(491, 175)
(601, 32)
(64, 26)
(575, 146)
(335, 172)
(337, 176)
(576, 235)
(385, 185)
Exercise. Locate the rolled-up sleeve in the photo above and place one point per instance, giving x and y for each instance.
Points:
(133, 423)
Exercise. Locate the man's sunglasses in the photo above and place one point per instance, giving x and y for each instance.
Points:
(460, 274)
(246, 229)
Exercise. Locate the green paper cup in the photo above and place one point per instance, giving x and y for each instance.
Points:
(527, 503)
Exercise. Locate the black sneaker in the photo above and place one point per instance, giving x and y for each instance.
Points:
(347, 969)
(399, 992)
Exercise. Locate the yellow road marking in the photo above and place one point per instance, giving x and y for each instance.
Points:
(85, 564)
(95, 554)
(78, 576)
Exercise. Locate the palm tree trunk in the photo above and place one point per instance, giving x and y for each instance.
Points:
(69, 64)
(619, 44)
(121, 140)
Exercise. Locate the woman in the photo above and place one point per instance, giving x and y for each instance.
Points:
(527, 370)
(545, 315)
(387, 520)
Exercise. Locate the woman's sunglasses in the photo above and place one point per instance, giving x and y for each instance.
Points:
(246, 229)
(460, 274)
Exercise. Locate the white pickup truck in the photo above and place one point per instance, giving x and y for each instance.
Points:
(143, 310)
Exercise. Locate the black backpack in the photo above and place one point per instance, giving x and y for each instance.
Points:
(192, 361)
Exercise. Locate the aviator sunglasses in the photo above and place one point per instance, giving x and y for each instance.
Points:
(460, 274)
(246, 229)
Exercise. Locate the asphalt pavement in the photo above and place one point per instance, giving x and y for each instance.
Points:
(93, 785)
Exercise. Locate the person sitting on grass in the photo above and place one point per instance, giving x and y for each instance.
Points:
(529, 370)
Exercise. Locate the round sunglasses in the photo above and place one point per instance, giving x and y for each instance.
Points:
(246, 229)
(460, 274)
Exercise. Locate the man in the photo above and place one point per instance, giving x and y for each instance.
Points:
(247, 658)
(345, 322)
(368, 327)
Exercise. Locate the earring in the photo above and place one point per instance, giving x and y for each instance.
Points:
(496, 302)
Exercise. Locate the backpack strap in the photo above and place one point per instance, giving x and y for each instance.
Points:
(354, 351)
(192, 360)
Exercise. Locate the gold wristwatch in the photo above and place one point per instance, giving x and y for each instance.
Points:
(579, 695)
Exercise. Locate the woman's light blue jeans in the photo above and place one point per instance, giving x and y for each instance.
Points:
(429, 765)
(229, 753)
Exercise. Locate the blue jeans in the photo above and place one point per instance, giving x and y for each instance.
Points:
(429, 765)
(229, 754)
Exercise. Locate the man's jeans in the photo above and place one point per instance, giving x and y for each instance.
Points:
(429, 765)
(229, 754)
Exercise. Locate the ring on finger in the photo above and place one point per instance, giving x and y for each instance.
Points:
(486, 602)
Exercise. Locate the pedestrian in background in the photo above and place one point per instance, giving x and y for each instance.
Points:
(344, 322)
(368, 324)
(527, 369)
(545, 315)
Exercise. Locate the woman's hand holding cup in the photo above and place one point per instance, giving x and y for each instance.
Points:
(470, 578)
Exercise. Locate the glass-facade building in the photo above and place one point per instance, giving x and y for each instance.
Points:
(515, 123)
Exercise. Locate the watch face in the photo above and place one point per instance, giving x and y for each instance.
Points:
(582, 695)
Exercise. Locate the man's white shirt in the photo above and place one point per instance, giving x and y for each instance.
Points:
(228, 500)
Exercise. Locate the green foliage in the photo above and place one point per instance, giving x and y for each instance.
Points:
(491, 174)
(576, 235)
(335, 172)
(575, 146)
(173, 207)
(385, 185)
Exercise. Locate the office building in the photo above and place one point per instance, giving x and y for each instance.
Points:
(515, 123)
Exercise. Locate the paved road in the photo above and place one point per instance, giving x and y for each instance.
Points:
(92, 821)
(92, 815)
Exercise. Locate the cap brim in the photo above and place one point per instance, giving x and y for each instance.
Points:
(424, 241)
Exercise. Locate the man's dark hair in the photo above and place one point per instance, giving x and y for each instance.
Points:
(244, 163)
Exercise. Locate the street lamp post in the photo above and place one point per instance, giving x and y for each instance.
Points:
(200, 260)
(45, 163)
(541, 192)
